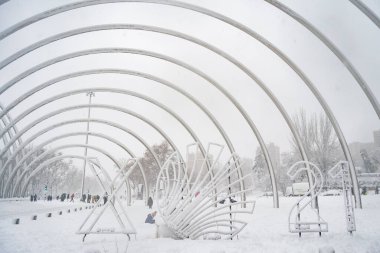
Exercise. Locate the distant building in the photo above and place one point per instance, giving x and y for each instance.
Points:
(358, 149)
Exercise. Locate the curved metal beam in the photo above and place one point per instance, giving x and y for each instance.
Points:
(100, 150)
(40, 146)
(6, 121)
(85, 120)
(334, 49)
(168, 59)
(141, 96)
(5, 139)
(198, 9)
(185, 37)
(117, 108)
(133, 73)
(319, 96)
(120, 91)
(175, 34)
(146, 76)
(14, 193)
(367, 11)
(186, 6)
(54, 159)
(98, 90)
(57, 158)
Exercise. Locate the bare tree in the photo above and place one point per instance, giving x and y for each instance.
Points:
(319, 140)
(150, 167)
(59, 176)
(261, 178)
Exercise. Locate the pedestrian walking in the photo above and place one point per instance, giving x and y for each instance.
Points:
(150, 202)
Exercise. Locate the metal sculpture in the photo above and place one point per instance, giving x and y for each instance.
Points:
(296, 225)
(340, 170)
(175, 61)
(194, 205)
(111, 186)
(233, 23)
(30, 139)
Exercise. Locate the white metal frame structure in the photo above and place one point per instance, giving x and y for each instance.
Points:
(340, 170)
(9, 133)
(195, 205)
(111, 186)
(296, 225)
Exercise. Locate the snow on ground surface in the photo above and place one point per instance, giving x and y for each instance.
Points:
(267, 230)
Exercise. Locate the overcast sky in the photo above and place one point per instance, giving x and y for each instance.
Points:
(355, 35)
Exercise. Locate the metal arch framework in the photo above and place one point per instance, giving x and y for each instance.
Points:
(63, 157)
(253, 34)
(138, 74)
(35, 171)
(189, 38)
(77, 121)
(186, 6)
(26, 156)
(335, 50)
(210, 47)
(175, 34)
(45, 163)
(148, 99)
(116, 108)
(367, 11)
(6, 121)
(166, 83)
(167, 138)
(21, 177)
(176, 62)
(172, 3)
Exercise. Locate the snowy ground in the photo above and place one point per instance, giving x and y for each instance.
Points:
(267, 230)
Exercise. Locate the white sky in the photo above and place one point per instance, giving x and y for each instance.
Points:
(343, 23)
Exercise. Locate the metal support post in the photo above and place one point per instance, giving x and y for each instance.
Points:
(90, 94)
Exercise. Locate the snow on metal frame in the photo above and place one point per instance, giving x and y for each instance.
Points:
(113, 186)
(194, 205)
(253, 34)
(296, 225)
(340, 170)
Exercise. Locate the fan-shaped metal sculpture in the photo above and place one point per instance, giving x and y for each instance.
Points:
(196, 202)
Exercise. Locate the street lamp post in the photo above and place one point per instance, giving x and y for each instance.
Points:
(90, 95)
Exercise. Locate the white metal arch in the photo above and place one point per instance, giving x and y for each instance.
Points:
(49, 151)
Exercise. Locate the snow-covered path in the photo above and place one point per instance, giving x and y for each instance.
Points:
(267, 231)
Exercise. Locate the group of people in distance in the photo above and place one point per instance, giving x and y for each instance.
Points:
(67, 196)
(70, 197)
(33, 197)
(61, 197)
